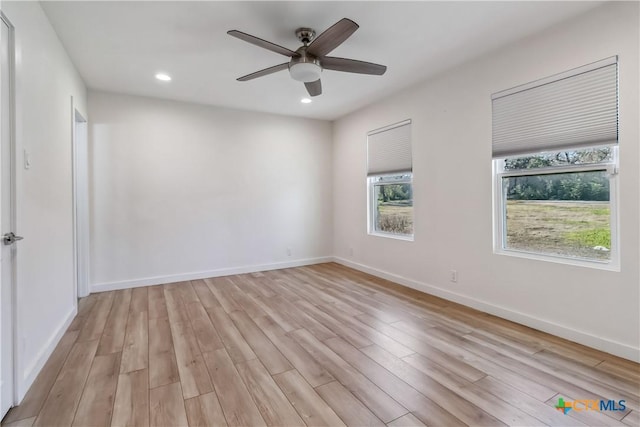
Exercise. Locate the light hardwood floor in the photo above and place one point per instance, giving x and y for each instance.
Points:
(319, 345)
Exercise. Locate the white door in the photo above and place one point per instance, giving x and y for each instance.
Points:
(7, 218)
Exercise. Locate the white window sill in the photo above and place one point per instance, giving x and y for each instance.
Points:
(599, 265)
(406, 238)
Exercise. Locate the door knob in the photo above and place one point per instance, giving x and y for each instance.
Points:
(10, 238)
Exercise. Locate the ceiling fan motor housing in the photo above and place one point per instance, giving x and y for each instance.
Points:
(305, 35)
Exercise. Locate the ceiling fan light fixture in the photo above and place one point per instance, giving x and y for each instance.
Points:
(307, 62)
(305, 71)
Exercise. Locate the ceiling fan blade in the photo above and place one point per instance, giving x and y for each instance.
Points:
(332, 38)
(262, 43)
(314, 88)
(352, 66)
(264, 72)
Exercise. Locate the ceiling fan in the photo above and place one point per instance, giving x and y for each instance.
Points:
(308, 61)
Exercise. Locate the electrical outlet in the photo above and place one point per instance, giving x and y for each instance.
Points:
(288, 251)
(350, 251)
(453, 277)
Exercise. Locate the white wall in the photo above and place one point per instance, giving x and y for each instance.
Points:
(45, 82)
(453, 189)
(181, 191)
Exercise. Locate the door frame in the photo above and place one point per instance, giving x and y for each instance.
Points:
(79, 132)
(13, 211)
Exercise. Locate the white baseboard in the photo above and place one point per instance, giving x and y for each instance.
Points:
(161, 280)
(29, 374)
(582, 337)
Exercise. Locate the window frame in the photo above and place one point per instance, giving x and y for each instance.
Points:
(611, 167)
(372, 212)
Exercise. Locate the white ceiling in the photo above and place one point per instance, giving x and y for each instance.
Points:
(120, 46)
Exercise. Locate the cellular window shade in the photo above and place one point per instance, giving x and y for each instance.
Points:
(389, 150)
(575, 109)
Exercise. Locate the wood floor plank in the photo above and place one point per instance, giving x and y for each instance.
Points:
(157, 305)
(310, 406)
(234, 342)
(236, 402)
(247, 304)
(25, 422)
(632, 419)
(273, 405)
(389, 344)
(337, 327)
(461, 368)
(553, 376)
(112, 339)
(313, 293)
(37, 394)
(86, 304)
(281, 318)
(135, 353)
(94, 324)
(545, 413)
(355, 301)
(513, 377)
(268, 353)
(205, 411)
(447, 399)
(385, 408)
(139, 300)
(505, 343)
(163, 368)
(204, 294)
(422, 319)
(187, 293)
(408, 420)
(166, 406)
(77, 323)
(620, 370)
(255, 286)
(301, 318)
(131, 406)
(422, 407)
(194, 377)
(63, 399)
(96, 404)
(219, 287)
(506, 413)
(624, 386)
(347, 406)
(175, 306)
(307, 366)
(206, 334)
(279, 286)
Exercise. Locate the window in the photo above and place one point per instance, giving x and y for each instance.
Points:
(558, 203)
(555, 167)
(389, 167)
(391, 202)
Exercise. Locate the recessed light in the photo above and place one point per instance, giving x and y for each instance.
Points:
(163, 77)
(306, 100)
